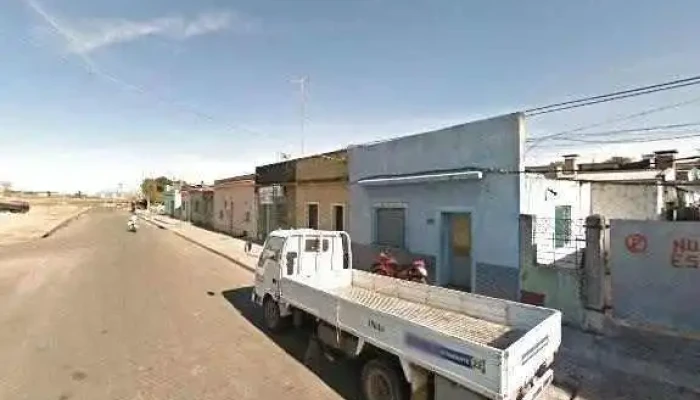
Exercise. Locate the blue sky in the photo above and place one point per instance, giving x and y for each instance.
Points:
(97, 92)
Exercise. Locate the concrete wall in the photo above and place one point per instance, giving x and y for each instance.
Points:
(173, 203)
(627, 201)
(326, 195)
(557, 288)
(202, 215)
(323, 167)
(655, 268)
(321, 179)
(241, 218)
(493, 201)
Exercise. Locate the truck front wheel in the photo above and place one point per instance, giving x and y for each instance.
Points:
(271, 314)
(383, 380)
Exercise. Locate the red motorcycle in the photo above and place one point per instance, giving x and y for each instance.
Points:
(387, 265)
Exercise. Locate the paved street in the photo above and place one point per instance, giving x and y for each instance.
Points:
(95, 312)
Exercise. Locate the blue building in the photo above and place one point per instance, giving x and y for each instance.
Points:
(452, 195)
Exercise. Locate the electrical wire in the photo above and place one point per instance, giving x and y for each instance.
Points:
(630, 130)
(536, 141)
(586, 101)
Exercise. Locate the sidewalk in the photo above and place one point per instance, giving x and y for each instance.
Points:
(631, 365)
(231, 248)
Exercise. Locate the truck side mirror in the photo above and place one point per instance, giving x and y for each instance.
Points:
(291, 256)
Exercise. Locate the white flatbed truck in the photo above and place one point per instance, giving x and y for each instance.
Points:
(415, 341)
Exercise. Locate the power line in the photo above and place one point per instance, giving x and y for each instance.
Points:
(591, 100)
(538, 140)
(630, 130)
(635, 140)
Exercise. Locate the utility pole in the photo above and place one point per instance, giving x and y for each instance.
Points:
(302, 82)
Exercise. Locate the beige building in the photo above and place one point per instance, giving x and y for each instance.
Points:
(309, 192)
(234, 206)
(322, 191)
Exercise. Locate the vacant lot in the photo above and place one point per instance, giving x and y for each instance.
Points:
(16, 228)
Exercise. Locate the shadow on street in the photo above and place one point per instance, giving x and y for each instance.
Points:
(341, 375)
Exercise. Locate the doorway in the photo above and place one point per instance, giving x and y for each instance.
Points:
(338, 217)
(457, 250)
(312, 215)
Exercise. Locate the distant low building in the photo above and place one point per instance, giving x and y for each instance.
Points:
(172, 200)
(201, 200)
(308, 192)
(234, 206)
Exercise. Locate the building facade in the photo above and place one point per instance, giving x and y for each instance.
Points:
(322, 192)
(309, 192)
(172, 200)
(275, 194)
(235, 206)
(442, 194)
(201, 206)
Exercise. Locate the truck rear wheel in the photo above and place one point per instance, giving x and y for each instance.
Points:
(272, 316)
(383, 380)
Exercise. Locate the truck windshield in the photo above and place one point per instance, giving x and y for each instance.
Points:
(273, 248)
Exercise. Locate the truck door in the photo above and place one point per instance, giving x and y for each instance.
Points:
(269, 265)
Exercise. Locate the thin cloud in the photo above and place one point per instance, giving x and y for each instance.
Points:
(86, 36)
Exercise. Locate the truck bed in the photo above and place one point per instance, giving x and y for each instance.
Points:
(457, 325)
(490, 346)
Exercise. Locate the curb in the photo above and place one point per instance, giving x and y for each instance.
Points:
(217, 252)
(65, 222)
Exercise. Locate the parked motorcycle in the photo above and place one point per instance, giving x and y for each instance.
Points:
(387, 265)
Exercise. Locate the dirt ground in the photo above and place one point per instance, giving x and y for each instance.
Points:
(16, 228)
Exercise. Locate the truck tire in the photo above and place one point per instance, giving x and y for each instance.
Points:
(383, 380)
(271, 315)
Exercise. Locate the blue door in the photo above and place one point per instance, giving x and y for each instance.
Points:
(456, 247)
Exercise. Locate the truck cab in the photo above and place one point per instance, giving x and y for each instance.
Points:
(305, 252)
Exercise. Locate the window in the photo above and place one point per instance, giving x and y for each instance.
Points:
(562, 226)
(312, 215)
(312, 245)
(196, 206)
(339, 217)
(247, 216)
(390, 227)
(221, 214)
(226, 205)
(273, 247)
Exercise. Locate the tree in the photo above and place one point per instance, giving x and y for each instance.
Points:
(149, 188)
(153, 189)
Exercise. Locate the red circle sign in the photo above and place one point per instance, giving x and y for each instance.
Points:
(636, 243)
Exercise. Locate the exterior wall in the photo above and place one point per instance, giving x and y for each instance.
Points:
(202, 215)
(239, 220)
(558, 288)
(173, 203)
(655, 269)
(186, 209)
(323, 180)
(628, 201)
(539, 199)
(493, 201)
(326, 195)
(276, 211)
